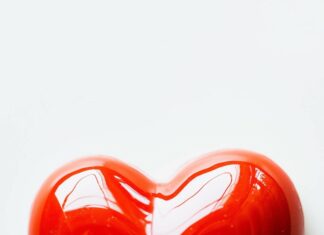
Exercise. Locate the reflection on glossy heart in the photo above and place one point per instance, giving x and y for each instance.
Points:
(222, 193)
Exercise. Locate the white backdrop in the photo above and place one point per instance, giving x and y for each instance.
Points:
(157, 83)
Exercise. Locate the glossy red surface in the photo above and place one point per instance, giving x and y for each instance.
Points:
(222, 193)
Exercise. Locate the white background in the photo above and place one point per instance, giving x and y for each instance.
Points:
(157, 83)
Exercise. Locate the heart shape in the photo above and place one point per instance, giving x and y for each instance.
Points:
(223, 193)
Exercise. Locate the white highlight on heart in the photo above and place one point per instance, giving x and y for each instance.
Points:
(204, 194)
(85, 189)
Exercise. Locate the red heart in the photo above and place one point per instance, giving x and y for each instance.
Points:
(223, 193)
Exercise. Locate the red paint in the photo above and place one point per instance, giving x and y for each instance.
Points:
(230, 192)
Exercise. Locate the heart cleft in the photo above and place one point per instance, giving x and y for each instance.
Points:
(229, 192)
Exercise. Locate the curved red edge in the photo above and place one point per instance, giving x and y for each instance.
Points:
(179, 181)
(238, 155)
